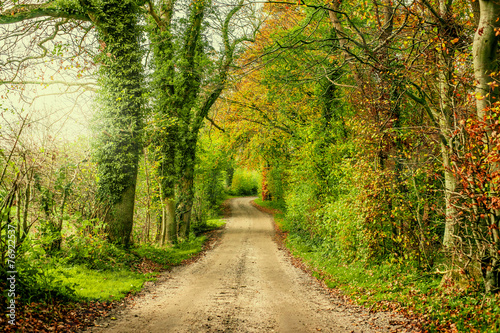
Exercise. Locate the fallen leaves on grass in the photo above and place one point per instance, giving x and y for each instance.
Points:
(54, 316)
(148, 266)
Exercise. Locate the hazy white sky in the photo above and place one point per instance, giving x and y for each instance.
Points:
(26, 54)
(63, 116)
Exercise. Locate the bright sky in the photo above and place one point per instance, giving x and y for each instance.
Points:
(58, 110)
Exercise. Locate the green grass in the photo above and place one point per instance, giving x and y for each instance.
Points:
(110, 274)
(216, 223)
(90, 284)
(267, 204)
(167, 257)
(270, 205)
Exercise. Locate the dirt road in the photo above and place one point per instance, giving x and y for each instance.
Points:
(246, 284)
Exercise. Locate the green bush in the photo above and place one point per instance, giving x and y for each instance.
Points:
(340, 224)
(245, 183)
(298, 207)
(210, 182)
(90, 247)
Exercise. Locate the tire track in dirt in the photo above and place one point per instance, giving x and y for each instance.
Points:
(245, 284)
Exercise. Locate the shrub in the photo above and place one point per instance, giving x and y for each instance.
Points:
(245, 182)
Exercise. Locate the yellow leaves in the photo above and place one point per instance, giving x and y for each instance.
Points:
(454, 41)
(480, 97)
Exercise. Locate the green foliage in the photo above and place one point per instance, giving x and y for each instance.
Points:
(210, 180)
(341, 226)
(244, 183)
(34, 281)
(92, 268)
(276, 184)
(89, 246)
(392, 286)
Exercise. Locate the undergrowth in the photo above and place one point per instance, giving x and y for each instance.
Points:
(396, 286)
(99, 270)
(68, 290)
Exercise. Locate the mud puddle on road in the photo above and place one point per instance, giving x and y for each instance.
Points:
(246, 284)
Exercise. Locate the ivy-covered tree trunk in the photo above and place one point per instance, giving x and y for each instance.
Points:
(176, 96)
(118, 143)
(166, 130)
(183, 100)
(167, 184)
(185, 184)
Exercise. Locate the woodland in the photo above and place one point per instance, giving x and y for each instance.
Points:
(370, 127)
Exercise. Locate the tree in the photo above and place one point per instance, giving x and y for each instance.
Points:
(121, 97)
(187, 84)
(121, 100)
(486, 206)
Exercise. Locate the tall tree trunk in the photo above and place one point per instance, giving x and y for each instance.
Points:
(445, 119)
(166, 135)
(185, 184)
(148, 199)
(450, 184)
(169, 226)
(168, 173)
(121, 102)
(120, 221)
(484, 54)
(485, 60)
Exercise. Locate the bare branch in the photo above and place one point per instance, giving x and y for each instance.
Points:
(26, 12)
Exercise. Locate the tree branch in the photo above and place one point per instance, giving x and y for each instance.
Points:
(26, 12)
(214, 124)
